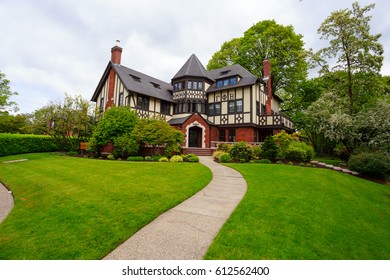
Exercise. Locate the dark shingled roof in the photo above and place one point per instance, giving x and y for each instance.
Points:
(178, 120)
(137, 82)
(193, 67)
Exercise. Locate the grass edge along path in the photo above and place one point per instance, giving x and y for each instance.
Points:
(73, 208)
(300, 213)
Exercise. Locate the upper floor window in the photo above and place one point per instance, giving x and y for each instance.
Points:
(195, 85)
(235, 106)
(101, 106)
(178, 86)
(227, 82)
(143, 102)
(120, 100)
(214, 108)
(165, 108)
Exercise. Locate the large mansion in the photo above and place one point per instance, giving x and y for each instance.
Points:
(228, 104)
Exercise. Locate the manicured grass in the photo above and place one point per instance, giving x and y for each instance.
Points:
(73, 208)
(292, 212)
(335, 162)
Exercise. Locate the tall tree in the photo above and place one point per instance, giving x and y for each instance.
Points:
(5, 94)
(350, 42)
(69, 122)
(267, 40)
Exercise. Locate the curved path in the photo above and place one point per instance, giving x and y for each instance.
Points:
(187, 230)
(6, 202)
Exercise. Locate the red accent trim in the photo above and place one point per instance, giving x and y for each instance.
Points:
(111, 85)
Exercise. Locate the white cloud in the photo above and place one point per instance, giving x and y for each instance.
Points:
(52, 47)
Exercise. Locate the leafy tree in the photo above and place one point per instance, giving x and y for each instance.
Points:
(15, 124)
(267, 40)
(269, 149)
(356, 50)
(155, 132)
(69, 122)
(116, 122)
(5, 94)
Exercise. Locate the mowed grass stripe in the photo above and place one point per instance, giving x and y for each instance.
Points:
(72, 208)
(294, 212)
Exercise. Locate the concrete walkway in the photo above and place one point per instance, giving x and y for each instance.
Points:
(6, 202)
(186, 231)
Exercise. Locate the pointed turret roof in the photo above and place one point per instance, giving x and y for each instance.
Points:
(193, 68)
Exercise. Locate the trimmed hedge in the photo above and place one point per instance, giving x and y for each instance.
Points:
(371, 164)
(12, 144)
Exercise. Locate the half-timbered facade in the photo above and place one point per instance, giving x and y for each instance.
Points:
(224, 105)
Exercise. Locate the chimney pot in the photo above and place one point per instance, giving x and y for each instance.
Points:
(116, 53)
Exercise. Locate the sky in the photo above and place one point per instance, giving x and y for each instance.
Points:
(49, 48)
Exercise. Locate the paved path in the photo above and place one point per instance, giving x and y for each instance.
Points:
(186, 231)
(6, 202)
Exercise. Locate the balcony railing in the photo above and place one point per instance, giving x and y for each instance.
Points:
(277, 120)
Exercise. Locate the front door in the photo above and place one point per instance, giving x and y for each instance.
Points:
(195, 137)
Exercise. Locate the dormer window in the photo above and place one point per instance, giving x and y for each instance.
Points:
(156, 85)
(135, 78)
(227, 82)
(224, 72)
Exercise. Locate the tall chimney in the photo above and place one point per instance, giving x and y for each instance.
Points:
(267, 79)
(116, 53)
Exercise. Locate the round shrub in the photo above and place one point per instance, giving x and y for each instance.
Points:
(225, 157)
(241, 151)
(256, 152)
(192, 158)
(217, 155)
(176, 158)
(269, 149)
(309, 150)
(371, 164)
(296, 154)
(163, 159)
(111, 157)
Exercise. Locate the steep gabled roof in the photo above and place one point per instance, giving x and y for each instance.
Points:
(193, 68)
(137, 82)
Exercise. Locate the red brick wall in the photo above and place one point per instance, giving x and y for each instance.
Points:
(111, 86)
(246, 134)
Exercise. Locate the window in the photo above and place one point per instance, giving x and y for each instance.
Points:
(235, 106)
(227, 82)
(231, 108)
(135, 78)
(239, 105)
(194, 85)
(165, 108)
(232, 135)
(189, 85)
(217, 108)
(222, 135)
(233, 81)
(178, 86)
(120, 100)
(101, 106)
(143, 102)
(200, 85)
(156, 85)
(211, 109)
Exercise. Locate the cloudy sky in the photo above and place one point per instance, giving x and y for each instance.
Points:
(49, 47)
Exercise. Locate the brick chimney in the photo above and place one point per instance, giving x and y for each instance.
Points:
(267, 79)
(116, 53)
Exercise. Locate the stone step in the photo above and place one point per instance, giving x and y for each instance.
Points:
(199, 151)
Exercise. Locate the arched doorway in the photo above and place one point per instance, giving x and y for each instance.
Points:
(195, 137)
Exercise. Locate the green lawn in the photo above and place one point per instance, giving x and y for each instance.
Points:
(73, 208)
(292, 212)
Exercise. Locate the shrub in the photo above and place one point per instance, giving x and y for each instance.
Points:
(256, 152)
(12, 144)
(125, 146)
(192, 158)
(269, 149)
(282, 140)
(72, 153)
(371, 164)
(309, 150)
(136, 158)
(264, 160)
(176, 158)
(295, 154)
(224, 147)
(241, 151)
(217, 155)
(163, 159)
(111, 157)
(225, 157)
